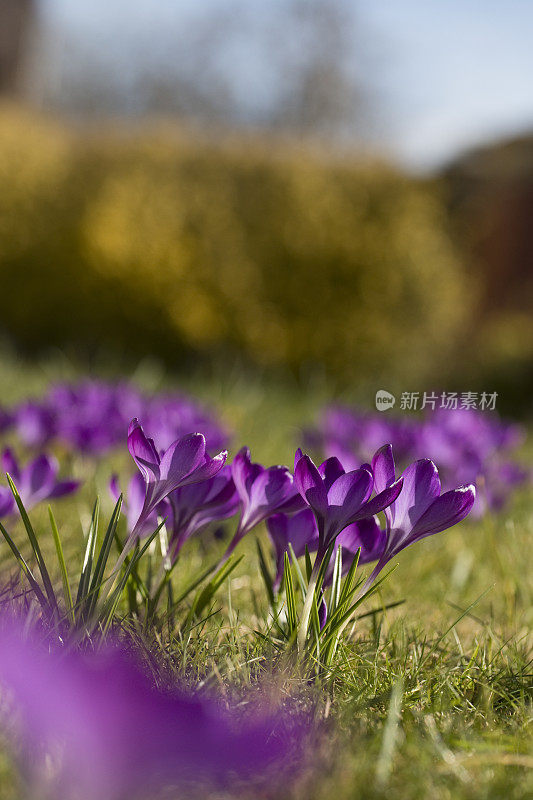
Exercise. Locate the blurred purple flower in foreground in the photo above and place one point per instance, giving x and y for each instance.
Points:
(35, 482)
(338, 498)
(420, 510)
(184, 462)
(94, 726)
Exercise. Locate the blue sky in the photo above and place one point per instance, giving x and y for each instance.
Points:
(446, 74)
(456, 72)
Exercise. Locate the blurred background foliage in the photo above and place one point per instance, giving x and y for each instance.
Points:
(154, 243)
(167, 211)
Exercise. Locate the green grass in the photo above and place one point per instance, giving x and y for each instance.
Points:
(431, 699)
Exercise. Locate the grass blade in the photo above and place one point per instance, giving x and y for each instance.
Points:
(299, 574)
(62, 566)
(204, 597)
(113, 600)
(26, 570)
(35, 545)
(103, 555)
(289, 593)
(308, 565)
(265, 573)
(83, 586)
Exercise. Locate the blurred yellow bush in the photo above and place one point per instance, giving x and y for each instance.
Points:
(151, 243)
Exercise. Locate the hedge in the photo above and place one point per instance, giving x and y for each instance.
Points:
(152, 242)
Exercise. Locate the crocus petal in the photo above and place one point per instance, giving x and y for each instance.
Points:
(277, 526)
(207, 470)
(330, 470)
(114, 487)
(383, 468)
(345, 499)
(381, 501)
(271, 487)
(143, 451)
(244, 472)
(293, 503)
(421, 485)
(183, 457)
(136, 494)
(7, 501)
(447, 510)
(37, 480)
(351, 490)
(365, 535)
(309, 483)
(221, 488)
(299, 531)
(62, 488)
(269, 491)
(10, 464)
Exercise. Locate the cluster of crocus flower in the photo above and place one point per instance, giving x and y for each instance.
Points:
(317, 508)
(36, 481)
(92, 417)
(87, 725)
(469, 445)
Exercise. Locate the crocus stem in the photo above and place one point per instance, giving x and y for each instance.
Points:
(308, 604)
(371, 578)
(231, 546)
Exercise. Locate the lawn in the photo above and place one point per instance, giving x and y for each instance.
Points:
(429, 694)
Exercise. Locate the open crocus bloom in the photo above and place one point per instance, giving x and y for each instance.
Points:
(420, 510)
(35, 482)
(194, 506)
(184, 462)
(262, 492)
(339, 498)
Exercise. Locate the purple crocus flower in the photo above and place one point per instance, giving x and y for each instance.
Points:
(364, 535)
(35, 423)
(133, 503)
(168, 417)
(37, 481)
(262, 492)
(468, 444)
(184, 462)
(195, 506)
(338, 498)
(420, 510)
(7, 419)
(92, 416)
(300, 531)
(116, 734)
(7, 501)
